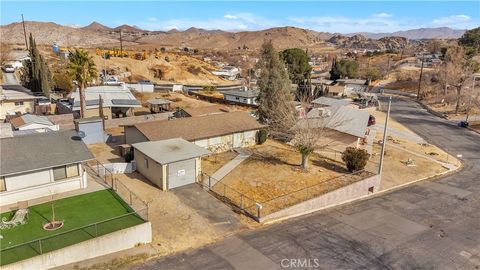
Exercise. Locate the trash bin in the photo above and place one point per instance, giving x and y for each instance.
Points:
(464, 124)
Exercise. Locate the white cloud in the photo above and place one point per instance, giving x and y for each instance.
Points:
(229, 22)
(152, 19)
(230, 16)
(382, 15)
(452, 19)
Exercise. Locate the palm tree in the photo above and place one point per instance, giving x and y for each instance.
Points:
(82, 69)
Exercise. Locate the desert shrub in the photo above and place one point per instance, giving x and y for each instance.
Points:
(355, 159)
(194, 70)
(209, 89)
(262, 135)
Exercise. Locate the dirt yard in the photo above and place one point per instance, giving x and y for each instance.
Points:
(211, 164)
(179, 100)
(274, 170)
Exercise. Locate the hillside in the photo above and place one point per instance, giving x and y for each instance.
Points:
(96, 34)
(48, 33)
(421, 33)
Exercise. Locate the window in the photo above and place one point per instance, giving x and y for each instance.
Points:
(64, 172)
(18, 103)
(2, 184)
(145, 160)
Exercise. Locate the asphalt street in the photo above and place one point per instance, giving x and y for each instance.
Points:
(430, 225)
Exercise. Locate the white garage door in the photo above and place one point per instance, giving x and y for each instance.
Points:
(181, 173)
(237, 140)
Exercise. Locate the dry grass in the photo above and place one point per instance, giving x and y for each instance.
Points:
(273, 170)
(396, 172)
(179, 100)
(211, 164)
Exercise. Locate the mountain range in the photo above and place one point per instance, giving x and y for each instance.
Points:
(96, 34)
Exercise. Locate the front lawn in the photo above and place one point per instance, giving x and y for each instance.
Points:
(76, 212)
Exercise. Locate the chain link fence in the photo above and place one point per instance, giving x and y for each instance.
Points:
(105, 176)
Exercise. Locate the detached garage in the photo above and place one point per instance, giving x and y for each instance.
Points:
(169, 163)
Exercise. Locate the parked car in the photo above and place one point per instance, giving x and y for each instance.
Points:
(371, 120)
(8, 69)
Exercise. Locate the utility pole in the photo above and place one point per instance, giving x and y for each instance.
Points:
(420, 79)
(24, 33)
(388, 67)
(121, 44)
(384, 141)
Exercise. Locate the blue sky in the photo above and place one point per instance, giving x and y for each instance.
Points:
(342, 17)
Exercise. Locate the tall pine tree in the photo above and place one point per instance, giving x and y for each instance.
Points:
(36, 75)
(275, 97)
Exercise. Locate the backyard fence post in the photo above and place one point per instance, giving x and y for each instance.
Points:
(40, 245)
(241, 201)
(209, 182)
(96, 230)
(130, 198)
(98, 169)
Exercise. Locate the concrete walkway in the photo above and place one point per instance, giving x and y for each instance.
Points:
(232, 164)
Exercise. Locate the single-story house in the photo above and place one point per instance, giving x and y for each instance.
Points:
(118, 101)
(16, 99)
(33, 122)
(169, 163)
(343, 126)
(329, 102)
(41, 164)
(353, 86)
(245, 97)
(17, 57)
(216, 132)
(228, 72)
(201, 111)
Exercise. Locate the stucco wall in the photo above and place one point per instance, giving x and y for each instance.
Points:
(154, 172)
(8, 107)
(106, 244)
(338, 141)
(38, 184)
(346, 194)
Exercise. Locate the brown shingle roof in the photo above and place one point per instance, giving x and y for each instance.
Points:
(202, 111)
(197, 128)
(17, 122)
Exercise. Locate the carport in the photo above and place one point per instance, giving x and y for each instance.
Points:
(169, 163)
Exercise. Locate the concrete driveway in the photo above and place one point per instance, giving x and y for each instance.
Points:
(209, 207)
(429, 225)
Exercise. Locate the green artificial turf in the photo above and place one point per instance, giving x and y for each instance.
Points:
(76, 212)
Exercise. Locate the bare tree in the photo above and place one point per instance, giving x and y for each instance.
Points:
(311, 133)
(5, 53)
(457, 71)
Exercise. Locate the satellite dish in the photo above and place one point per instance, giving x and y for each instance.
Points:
(79, 135)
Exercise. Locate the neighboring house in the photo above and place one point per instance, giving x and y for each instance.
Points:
(91, 130)
(118, 101)
(245, 97)
(329, 102)
(228, 72)
(169, 163)
(352, 86)
(16, 58)
(31, 122)
(201, 111)
(42, 164)
(16, 99)
(216, 132)
(347, 126)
